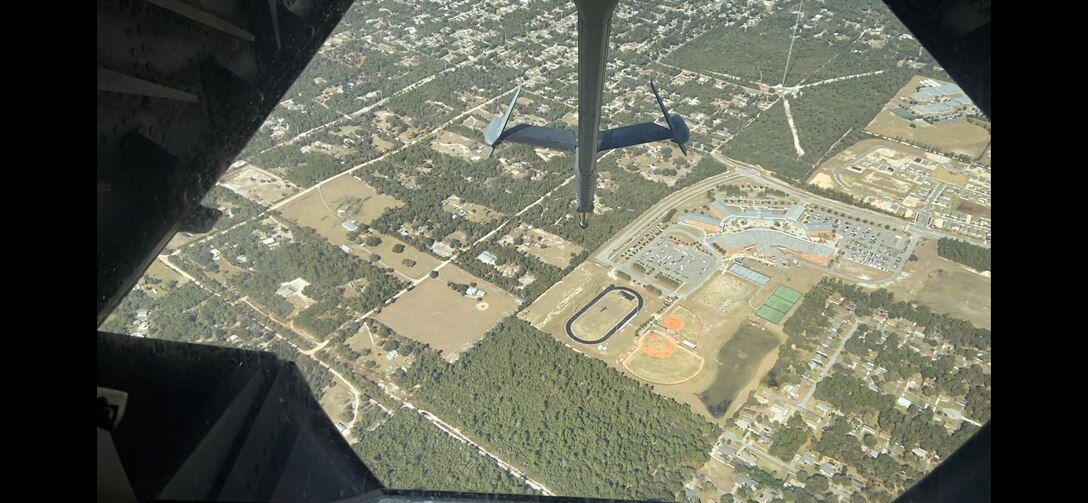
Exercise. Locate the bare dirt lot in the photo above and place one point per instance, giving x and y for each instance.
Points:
(547, 247)
(319, 208)
(879, 183)
(944, 286)
(258, 185)
(822, 176)
(455, 145)
(335, 400)
(958, 136)
(434, 314)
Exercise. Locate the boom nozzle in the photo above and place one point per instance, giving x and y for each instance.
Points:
(583, 220)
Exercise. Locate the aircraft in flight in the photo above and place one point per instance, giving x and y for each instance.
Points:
(594, 27)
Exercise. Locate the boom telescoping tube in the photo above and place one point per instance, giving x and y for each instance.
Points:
(594, 26)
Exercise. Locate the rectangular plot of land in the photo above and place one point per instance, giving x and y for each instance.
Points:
(433, 313)
(327, 207)
(770, 314)
(787, 293)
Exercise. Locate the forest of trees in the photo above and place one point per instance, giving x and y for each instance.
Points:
(576, 425)
(973, 256)
(790, 438)
(314, 259)
(409, 452)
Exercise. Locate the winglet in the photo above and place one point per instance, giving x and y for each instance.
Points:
(679, 128)
(498, 125)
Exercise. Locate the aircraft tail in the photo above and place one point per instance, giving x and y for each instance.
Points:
(679, 128)
(498, 124)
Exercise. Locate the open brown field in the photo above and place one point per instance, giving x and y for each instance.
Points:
(471, 211)
(164, 275)
(455, 145)
(658, 359)
(335, 400)
(432, 313)
(550, 312)
(549, 248)
(258, 185)
(739, 362)
(318, 209)
(944, 286)
(858, 270)
(943, 174)
(969, 207)
(958, 136)
(363, 339)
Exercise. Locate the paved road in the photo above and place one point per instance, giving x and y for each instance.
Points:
(827, 366)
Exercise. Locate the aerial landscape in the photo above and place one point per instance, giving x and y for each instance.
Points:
(792, 306)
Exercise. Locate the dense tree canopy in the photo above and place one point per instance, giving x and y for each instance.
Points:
(576, 425)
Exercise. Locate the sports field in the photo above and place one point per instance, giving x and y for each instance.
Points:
(778, 304)
(604, 315)
(684, 323)
(660, 360)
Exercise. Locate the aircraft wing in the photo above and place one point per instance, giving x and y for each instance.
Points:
(547, 137)
(632, 135)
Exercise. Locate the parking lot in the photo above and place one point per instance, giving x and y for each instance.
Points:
(677, 261)
(867, 245)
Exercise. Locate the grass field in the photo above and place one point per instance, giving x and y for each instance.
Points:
(318, 209)
(738, 360)
(434, 314)
(659, 359)
(603, 315)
